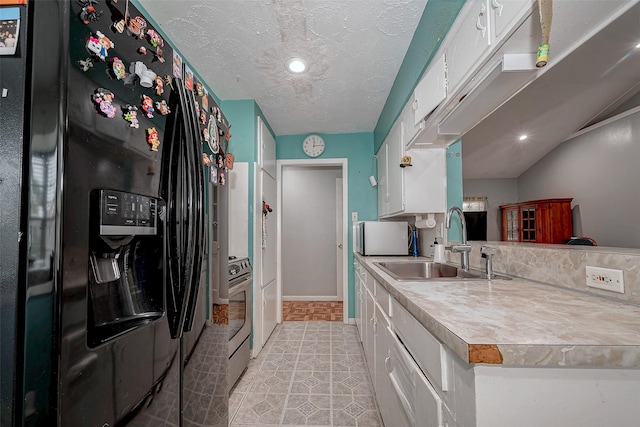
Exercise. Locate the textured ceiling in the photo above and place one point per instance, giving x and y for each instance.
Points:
(239, 47)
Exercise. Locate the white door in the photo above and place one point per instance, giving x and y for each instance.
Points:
(269, 254)
(339, 243)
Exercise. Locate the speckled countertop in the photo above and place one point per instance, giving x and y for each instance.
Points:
(519, 322)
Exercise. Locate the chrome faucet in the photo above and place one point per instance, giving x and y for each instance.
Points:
(464, 248)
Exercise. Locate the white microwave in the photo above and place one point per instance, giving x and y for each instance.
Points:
(382, 238)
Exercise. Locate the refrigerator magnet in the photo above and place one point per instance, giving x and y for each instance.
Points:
(85, 64)
(154, 38)
(162, 107)
(213, 140)
(88, 13)
(221, 178)
(203, 116)
(152, 139)
(103, 99)
(99, 44)
(158, 55)
(147, 106)
(206, 160)
(177, 65)
(117, 66)
(188, 78)
(158, 83)
(137, 26)
(213, 174)
(199, 89)
(119, 26)
(206, 136)
(130, 114)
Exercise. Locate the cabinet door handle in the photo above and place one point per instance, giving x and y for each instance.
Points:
(479, 24)
(497, 6)
(387, 363)
(415, 105)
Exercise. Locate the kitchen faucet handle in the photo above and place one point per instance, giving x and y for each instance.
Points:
(459, 248)
(487, 250)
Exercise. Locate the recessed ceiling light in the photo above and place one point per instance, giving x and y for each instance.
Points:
(296, 65)
(522, 137)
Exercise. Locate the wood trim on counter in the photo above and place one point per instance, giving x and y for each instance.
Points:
(485, 353)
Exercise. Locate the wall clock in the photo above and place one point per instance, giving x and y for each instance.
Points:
(313, 145)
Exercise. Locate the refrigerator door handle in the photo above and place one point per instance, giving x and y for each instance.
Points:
(181, 218)
(198, 212)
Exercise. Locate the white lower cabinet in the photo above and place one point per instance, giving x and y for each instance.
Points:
(368, 340)
(420, 382)
(391, 401)
(405, 396)
(359, 287)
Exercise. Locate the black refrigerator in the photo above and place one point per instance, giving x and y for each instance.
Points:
(104, 235)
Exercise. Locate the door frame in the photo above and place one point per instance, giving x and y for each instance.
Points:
(338, 162)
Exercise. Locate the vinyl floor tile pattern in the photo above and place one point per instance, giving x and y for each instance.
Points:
(308, 374)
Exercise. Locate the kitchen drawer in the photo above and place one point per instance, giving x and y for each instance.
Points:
(427, 351)
(401, 370)
(383, 298)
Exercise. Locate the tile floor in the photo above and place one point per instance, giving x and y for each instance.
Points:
(308, 374)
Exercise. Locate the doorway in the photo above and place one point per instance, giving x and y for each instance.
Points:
(312, 213)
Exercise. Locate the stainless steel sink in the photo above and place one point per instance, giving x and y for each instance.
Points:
(428, 270)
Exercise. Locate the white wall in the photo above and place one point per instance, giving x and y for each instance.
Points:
(308, 232)
(498, 192)
(601, 171)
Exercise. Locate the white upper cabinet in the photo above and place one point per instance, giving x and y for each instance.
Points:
(416, 189)
(428, 94)
(505, 14)
(383, 187)
(469, 43)
(395, 177)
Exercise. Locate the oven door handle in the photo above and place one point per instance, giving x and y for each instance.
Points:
(238, 287)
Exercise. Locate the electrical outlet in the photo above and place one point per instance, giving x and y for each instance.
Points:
(354, 216)
(605, 278)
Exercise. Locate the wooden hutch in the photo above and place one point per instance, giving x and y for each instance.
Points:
(537, 221)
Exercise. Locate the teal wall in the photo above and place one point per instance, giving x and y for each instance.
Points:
(454, 187)
(357, 148)
(437, 18)
(244, 130)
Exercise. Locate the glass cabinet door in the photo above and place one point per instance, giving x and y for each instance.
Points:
(528, 224)
(512, 225)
